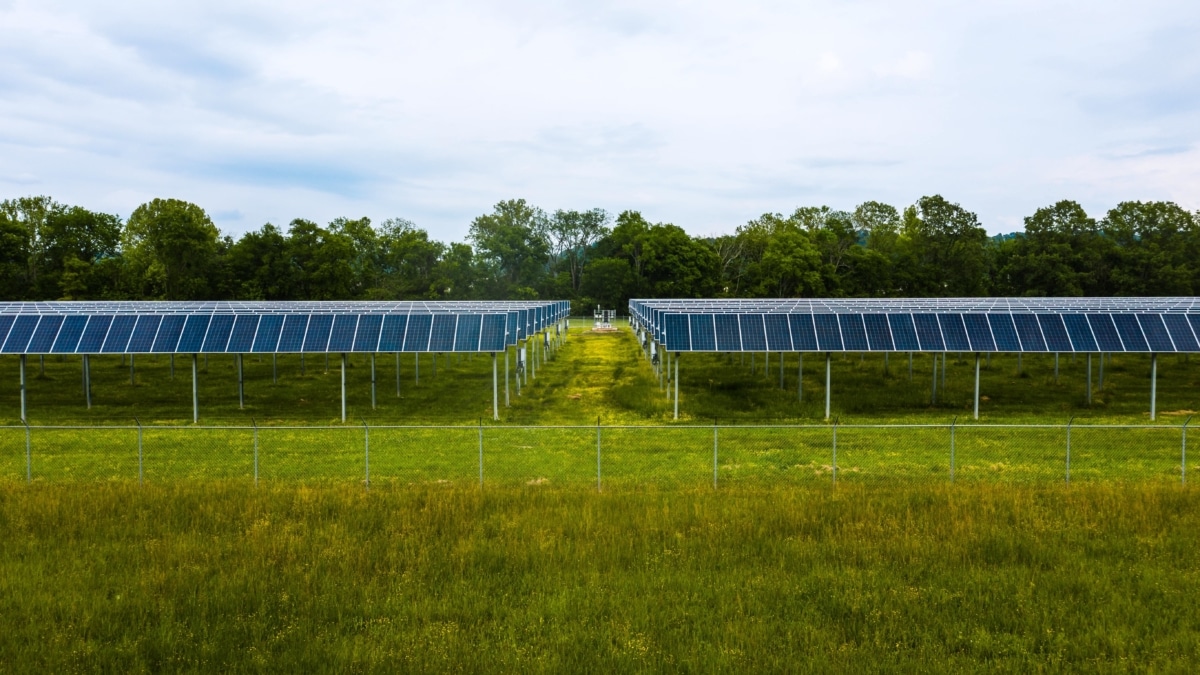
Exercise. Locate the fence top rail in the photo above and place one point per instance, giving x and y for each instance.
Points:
(579, 427)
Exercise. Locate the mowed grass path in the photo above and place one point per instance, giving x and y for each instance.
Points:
(223, 577)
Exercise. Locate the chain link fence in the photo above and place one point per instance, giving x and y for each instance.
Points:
(603, 456)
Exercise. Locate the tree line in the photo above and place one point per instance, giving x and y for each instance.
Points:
(170, 249)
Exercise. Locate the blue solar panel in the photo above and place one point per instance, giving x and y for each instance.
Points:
(1177, 325)
(954, 332)
(466, 338)
(677, 333)
(1156, 333)
(979, 333)
(193, 334)
(1029, 333)
(441, 339)
(829, 336)
(47, 330)
(316, 338)
(1055, 332)
(491, 338)
(341, 338)
(219, 329)
(242, 338)
(1194, 319)
(779, 337)
(1004, 332)
(1105, 332)
(512, 329)
(854, 333)
(391, 338)
(729, 336)
(6, 322)
(1080, 333)
(1130, 332)
(118, 334)
(69, 334)
(929, 333)
(142, 340)
(367, 337)
(904, 333)
(291, 338)
(93, 335)
(168, 333)
(879, 336)
(267, 338)
(754, 336)
(416, 338)
(703, 335)
(804, 334)
(20, 334)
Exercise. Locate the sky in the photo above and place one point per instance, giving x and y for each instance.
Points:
(701, 114)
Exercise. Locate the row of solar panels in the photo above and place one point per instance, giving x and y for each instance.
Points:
(992, 332)
(644, 308)
(265, 333)
(542, 313)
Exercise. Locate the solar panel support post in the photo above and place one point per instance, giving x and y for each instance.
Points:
(372, 380)
(910, 367)
(42, 364)
(195, 390)
(1153, 385)
(943, 372)
(800, 379)
(22, 387)
(495, 390)
(1089, 380)
(976, 385)
(132, 376)
(301, 363)
(1056, 368)
(676, 385)
(343, 386)
(417, 367)
(507, 398)
(767, 364)
(753, 355)
(241, 384)
(397, 374)
(274, 369)
(828, 382)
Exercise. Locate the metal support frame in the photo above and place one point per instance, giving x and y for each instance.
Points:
(274, 369)
(676, 360)
(507, 398)
(976, 385)
(397, 374)
(800, 379)
(343, 387)
(417, 367)
(23, 387)
(910, 367)
(1089, 379)
(828, 383)
(372, 381)
(1055, 368)
(195, 390)
(495, 390)
(241, 384)
(1153, 386)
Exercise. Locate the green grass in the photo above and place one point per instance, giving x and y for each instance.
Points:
(220, 576)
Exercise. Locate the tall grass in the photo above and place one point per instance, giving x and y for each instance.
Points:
(220, 576)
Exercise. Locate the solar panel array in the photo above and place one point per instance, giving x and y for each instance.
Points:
(926, 325)
(270, 327)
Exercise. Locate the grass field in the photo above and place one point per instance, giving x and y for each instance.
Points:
(221, 576)
(602, 376)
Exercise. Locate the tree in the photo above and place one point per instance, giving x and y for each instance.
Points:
(408, 261)
(606, 282)
(172, 247)
(1156, 244)
(260, 266)
(320, 261)
(942, 250)
(571, 235)
(512, 241)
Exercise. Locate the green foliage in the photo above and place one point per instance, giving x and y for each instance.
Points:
(171, 248)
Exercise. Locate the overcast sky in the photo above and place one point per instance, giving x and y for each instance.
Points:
(703, 114)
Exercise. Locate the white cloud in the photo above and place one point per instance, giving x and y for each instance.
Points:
(701, 113)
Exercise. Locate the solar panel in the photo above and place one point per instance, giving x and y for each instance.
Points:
(341, 338)
(979, 333)
(702, 332)
(193, 334)
(779, 336)
(20, 334)
(142, 340)
(6, 322)
(829, 335)
(118, 334)
(266, 340)
(391, 337)
(754, 336)
(416, 338)
(1055, 332)
(879, 336)
(1105, 332)
(441, 339)
(804, 334)
(678, 334)
(1080, 332)
(492, 337)
(93, 335)
(729, 335)
(316, 338)
(954, 332)
(854, 334)
(904, 332)
(43, 337)
(219, 329)
(367, 337)
(241, 340)
(168, 333)
(68, 335)
(466, 339)
(929, 333)
(1181, 333)
(1130, 332)
(1004, 332)
(1156, 333)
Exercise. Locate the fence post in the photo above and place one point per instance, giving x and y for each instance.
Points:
(834, 472)
(141, 474)
(953, 423)
(481, 453)
(715, 454)
(597, 453)
(28, 453)
(1183, 454)
(367, 452)
(1069, 448)
(255, 425)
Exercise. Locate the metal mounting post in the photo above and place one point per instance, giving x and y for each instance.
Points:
(241, 384)
(372, 381)
(676, 360)
(1153, 386)
(507, 398)
(22, 387)
(976, 385)
(195, 391)
(343, 387)
(495, 390)
(828, 383)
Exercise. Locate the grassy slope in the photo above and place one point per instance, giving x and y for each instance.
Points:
(223, 577)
